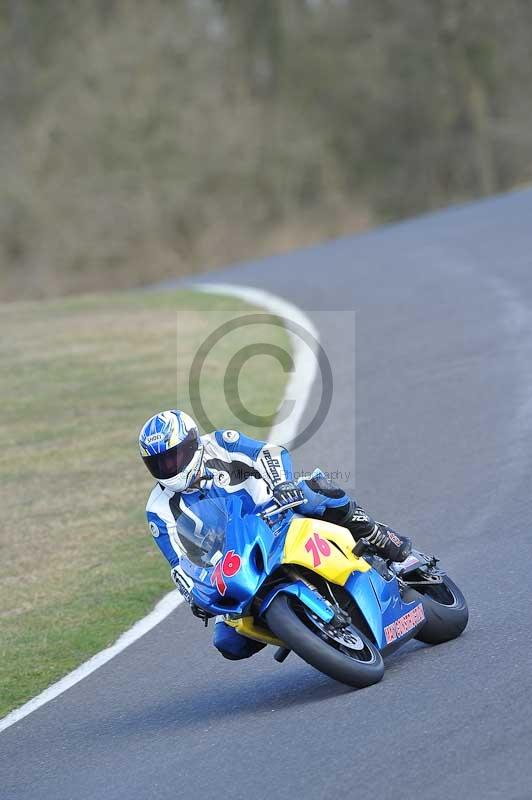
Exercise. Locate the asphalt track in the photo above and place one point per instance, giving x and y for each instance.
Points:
(443, 449)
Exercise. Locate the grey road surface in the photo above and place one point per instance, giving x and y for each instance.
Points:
(443, 450)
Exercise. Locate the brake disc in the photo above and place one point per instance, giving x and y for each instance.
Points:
(346, 635)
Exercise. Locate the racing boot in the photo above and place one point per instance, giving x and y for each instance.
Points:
(386, 542)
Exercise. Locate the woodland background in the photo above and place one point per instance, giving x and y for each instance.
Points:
(143, 139)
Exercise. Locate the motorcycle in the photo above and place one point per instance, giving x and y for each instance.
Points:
(302, 585)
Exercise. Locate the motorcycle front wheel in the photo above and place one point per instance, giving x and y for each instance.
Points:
(342, 653)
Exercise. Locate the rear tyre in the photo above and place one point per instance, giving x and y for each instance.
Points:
(445, 610)
(343, 654)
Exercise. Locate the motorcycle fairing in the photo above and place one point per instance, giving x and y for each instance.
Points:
(381, 604)
(305, 594)
(334, 561)
(259, 549)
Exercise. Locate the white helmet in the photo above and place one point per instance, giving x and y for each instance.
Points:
(171, 448)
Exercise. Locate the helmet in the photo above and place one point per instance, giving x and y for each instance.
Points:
(171, 448)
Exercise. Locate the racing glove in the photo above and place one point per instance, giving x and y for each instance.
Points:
(287, 493)
(182, 582)
(185, 586)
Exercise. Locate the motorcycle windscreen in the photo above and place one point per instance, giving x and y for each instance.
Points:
(201, 524)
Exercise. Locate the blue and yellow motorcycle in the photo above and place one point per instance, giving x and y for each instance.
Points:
(302, 585)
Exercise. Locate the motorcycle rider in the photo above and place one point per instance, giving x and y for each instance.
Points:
(188, 466)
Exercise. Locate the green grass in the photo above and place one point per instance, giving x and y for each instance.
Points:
(79, 377)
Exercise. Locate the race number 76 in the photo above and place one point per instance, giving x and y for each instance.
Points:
(226, 568)
(318, 547)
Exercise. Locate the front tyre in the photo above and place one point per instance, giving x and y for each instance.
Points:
(445, 610)
(344, 654)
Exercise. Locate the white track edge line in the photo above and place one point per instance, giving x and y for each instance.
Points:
(299, 384)
(161, 610)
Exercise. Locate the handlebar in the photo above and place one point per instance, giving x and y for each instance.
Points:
(273, 510)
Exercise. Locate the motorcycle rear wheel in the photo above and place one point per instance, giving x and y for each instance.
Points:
(346, 654)
(445, 610)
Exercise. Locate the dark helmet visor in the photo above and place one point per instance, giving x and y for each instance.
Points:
(173, 461)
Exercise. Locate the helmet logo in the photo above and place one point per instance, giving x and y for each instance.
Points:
(155, 437)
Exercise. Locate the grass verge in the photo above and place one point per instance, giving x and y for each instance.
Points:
(79, 377)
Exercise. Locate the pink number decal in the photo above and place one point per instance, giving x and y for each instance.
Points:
(217, 579)
(317, 545)
(232, 563)
(228, 567)
(323, 544)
